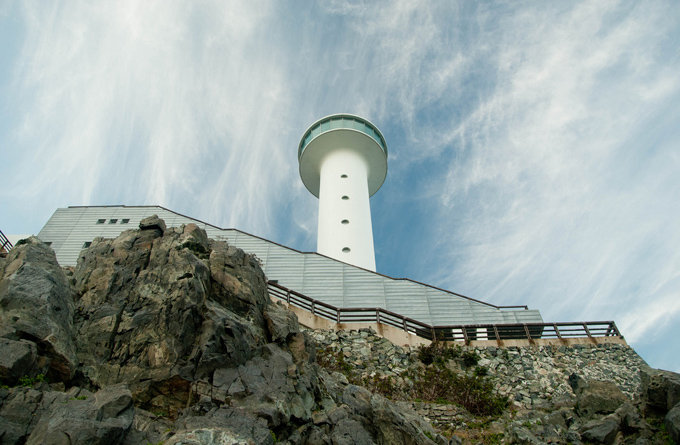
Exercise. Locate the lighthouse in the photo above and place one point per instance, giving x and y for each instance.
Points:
(343, 162)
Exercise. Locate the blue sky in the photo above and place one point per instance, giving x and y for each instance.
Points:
(534, 152)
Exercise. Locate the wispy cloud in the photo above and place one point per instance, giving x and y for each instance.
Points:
(533, 147)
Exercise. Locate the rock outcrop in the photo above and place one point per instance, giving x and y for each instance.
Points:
(557, 394)
(36, 305)
(164, 335)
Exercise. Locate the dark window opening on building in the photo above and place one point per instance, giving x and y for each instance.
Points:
(49, 243)
(87, 244)
(113, 221)
(101, 221)
(125, 220)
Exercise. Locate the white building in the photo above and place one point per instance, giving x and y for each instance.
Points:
(343, 162)
(343, 285)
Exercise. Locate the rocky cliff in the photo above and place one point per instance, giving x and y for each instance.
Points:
(165, 336)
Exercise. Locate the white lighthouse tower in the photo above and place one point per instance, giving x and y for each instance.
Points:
(343, 162)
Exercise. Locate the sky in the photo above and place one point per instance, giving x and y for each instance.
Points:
(534, 147)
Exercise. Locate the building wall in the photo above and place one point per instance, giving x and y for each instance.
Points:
(314, 275)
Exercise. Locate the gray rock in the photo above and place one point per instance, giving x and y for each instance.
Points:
(32, 416)
(631, 421)
(602, 430)
(150, 310)
(153, 222)
(595, 396)
(358, 399)
(523, 436)
(660, 389)
(17, 358)
(281, 322)
(397, 425)
(224, 425)
(195, 239)
(350, 432)
(112, 402)
(37, 305)
(672, 422)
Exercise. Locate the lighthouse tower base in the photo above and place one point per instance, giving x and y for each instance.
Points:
(345, 230)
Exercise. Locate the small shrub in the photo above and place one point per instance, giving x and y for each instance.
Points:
(30, 381)
(481, 371)
(438, 353)
(474, 393)
(469, 359)
(334, 361)
(434, 383)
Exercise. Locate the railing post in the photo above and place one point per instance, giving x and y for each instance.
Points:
(377, 316)
(313, 312)
(433, 333)
(526, 331)
(403, 320)
(557, 331)
(337, 315)
(585, 326)
(288, 296)
(465, 335)
(495, 332)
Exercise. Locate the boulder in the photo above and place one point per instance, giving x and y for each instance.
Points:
(223, 425)
(154, 223)
(601, 430)
(350, 432)
(522, 435)
(596, 396)
(151, 310)
(394, 424)
(672, 422)
(37, 305)
(281, 322)
(660, 389)
(195, 239)
(17, 359)
(38, 416)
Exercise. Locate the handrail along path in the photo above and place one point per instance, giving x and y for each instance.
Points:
(465, 333)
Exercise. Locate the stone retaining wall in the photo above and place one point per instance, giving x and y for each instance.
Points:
(531, 376)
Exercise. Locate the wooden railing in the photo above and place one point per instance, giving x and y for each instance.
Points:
(465, 333)
(5, 244)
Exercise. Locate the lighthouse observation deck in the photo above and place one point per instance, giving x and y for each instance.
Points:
(341, 121)
(342, 131)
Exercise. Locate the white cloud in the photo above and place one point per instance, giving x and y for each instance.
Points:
(533, 146)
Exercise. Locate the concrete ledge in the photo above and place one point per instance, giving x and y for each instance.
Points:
(403, 338)
(550, 342)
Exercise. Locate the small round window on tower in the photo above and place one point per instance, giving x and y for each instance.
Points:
(345, 250)
(345, 221)
(345, 197)
(343, 176)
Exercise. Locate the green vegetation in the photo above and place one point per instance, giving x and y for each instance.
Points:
(30, 381)
(334, 361)
(435, 382)
(442, 385)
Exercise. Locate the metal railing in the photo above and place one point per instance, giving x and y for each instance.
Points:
(5, 244)
(465, 333)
